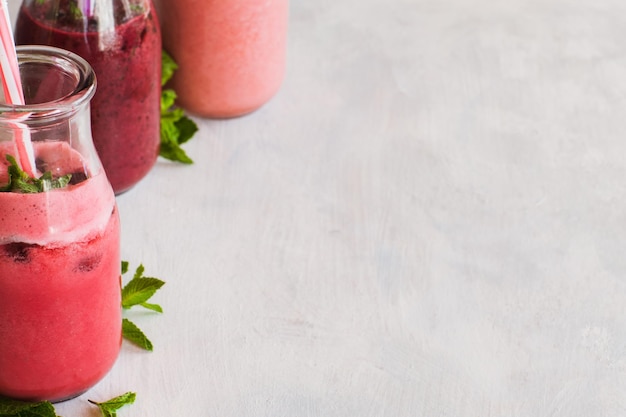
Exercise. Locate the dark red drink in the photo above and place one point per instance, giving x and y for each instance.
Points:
(124, 48)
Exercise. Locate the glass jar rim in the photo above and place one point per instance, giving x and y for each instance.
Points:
(69, 62)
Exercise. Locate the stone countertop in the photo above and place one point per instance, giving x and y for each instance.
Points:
(426, 221)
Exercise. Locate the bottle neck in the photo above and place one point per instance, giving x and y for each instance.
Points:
(58, 87)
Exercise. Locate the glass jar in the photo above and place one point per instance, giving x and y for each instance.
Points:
(230, 54)
(121, 39)
(60, 295)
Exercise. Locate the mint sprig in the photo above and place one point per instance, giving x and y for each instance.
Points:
(109, 408)
(176, 128)
(15, 408)
(140, 289)
(21, 182)
(136, 293)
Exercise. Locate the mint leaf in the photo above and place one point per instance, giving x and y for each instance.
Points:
(168, 97)
(137, 292)
(186, 129)
(109, 408)
(48, 183)
(140, 289)
(172, 151)
(139, 271)
(133, 334)
(124, 267)
(168, 67)
(176, 127)
(21, 182)
(14, 408)
(153, 307)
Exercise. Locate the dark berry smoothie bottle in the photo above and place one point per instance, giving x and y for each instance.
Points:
(121, 39)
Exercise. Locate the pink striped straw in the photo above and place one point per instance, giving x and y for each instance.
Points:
(12, 86)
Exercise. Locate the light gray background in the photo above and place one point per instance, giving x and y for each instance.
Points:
(428, 220)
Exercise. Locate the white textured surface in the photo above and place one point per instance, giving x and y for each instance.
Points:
(426, 221)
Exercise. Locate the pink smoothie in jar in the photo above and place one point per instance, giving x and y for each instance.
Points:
(231, 54)
(60, 315)
(60, 289)
(125, 112)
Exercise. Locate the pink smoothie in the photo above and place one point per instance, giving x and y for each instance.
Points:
(231, 54)
(60, 315)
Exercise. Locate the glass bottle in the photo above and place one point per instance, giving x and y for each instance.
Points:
(230, 54)
(60, 313)
(121, 39)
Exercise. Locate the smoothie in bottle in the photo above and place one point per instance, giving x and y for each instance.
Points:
(60, 314)
(121, 39)
(230, 54)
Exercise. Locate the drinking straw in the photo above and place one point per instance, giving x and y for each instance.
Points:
(12, 86)
(10, 71)
(86, 7)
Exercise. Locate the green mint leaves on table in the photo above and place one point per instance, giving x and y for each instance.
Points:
(133, 334)
(137, 292)
(15, 408)
(21, 182)
(176, 128)
(109, 408)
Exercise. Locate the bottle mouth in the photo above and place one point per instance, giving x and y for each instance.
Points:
(55, 81)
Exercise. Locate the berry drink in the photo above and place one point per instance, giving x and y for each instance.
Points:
(122, 42)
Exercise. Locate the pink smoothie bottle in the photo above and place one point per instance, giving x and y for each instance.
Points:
(60, 313)
(230, 53)
(121, 39)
